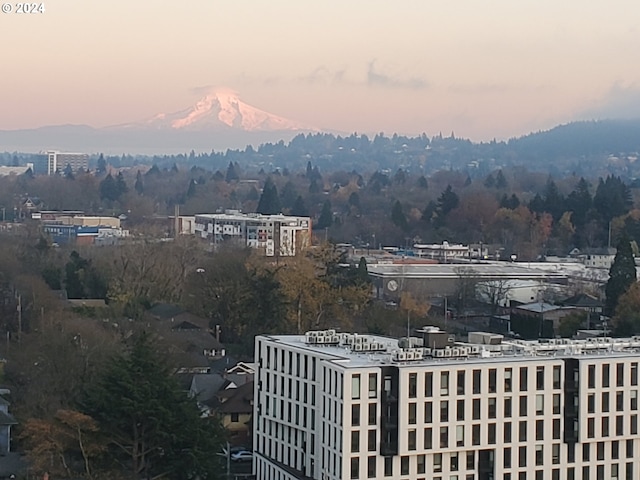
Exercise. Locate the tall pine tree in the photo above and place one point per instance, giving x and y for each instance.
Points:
(621, 275)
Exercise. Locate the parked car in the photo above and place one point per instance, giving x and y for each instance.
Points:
(242, 456)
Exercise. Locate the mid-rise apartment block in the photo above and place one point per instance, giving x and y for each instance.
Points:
(58, 161)
(332, 406)
(277, 235)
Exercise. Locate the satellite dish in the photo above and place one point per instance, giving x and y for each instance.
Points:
(392, 285)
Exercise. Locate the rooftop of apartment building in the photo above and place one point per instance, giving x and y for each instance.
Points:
(435, 346)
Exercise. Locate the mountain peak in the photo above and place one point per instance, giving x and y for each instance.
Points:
(222, 108)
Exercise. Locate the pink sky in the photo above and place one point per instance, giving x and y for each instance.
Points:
(481, 69)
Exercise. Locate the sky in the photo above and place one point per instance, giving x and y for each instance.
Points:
(480, 69)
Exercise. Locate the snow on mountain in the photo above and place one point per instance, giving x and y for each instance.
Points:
(222, 108)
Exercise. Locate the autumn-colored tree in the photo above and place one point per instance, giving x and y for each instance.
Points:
(56, 446)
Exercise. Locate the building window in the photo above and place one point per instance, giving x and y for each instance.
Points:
(556, 377)
(460, 435)
(491, 434)
(371, 441)
(634, 424)
(460, 410)
(539, 404)
(634, 374)
(475, 434)
(460, 382)
(444, 383)
(437, 462)
(355, 387)
(453, 462)
(522, 456)
(444, 437)
(355, 441)
(428, 412)
(539, 430)
(444, 411)
(556, 403)
(508, 382)
(411, 439)
(371, 467)
(421, 461)
(404, 465)
(605, 374)
(355, 415)
(506, 458)
(373, 385)
(507, 432)
(634, 400)
(476, 409)
(493, 387)
(428, 438)
(428, 384)
(605, 401)
(522, 431)
(586, 449)
(615, 450)
(388, 466)
(591, 403)
(373, 413)
(555, 453)
(492, 408)
(539, 455)
(413, 385)
(591, 429)
(234, 417)
(556, 429)
(523, 406)
(619, 425)
(540, 378)
(507, 407)
(412, 413)
(471, 460)
(591, 376)
(619, 374)
(477, 381)
(355, 467)
(523, 379)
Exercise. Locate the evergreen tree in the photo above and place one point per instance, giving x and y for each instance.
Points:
(232, 175)
(537, 204)
(400, 177)
(422, 182)
(554, 202)
(354, 200)
(269, 203)
(153, 171)
(191, 191)
(398, 217)
(447, 201)
(612, 198)
(121, 185)
(299, 209)
(253, 194)
(579, 202)
(621, 275)
(139, 185)
(102, 165)
(490, 182)
(314, 186)
(288, 195)
(501, 182)
(157, 430)
(326, 216)
(68, 172)
(363, 272)
(109, 189)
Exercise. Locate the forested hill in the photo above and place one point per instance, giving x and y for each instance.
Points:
(580, 139)
(591, 149)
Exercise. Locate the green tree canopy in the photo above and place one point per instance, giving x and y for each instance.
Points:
(621, 275)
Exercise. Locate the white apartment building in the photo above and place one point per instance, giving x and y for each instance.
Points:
(58, 161)
(278, 235)
(332, 406)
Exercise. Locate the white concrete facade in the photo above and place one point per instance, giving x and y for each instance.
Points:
(514, 411)
(277, 235)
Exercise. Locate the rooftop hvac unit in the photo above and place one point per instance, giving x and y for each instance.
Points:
(335, 339)
(358, 347)
(311, 333)
(400, 356)
(426, 352)
(447, 352)
(439, 353)
(417, 355)
(475, 349)
(455, 352)
(320, 339)
(331, 332)
(410, 355)
(311, 339)
(359, 340)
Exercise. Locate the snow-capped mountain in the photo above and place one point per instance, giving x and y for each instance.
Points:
(222, 109)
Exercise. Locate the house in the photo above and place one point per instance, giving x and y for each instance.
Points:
(235, 405)
(538, 319)
(596, 257)
(6, 421)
